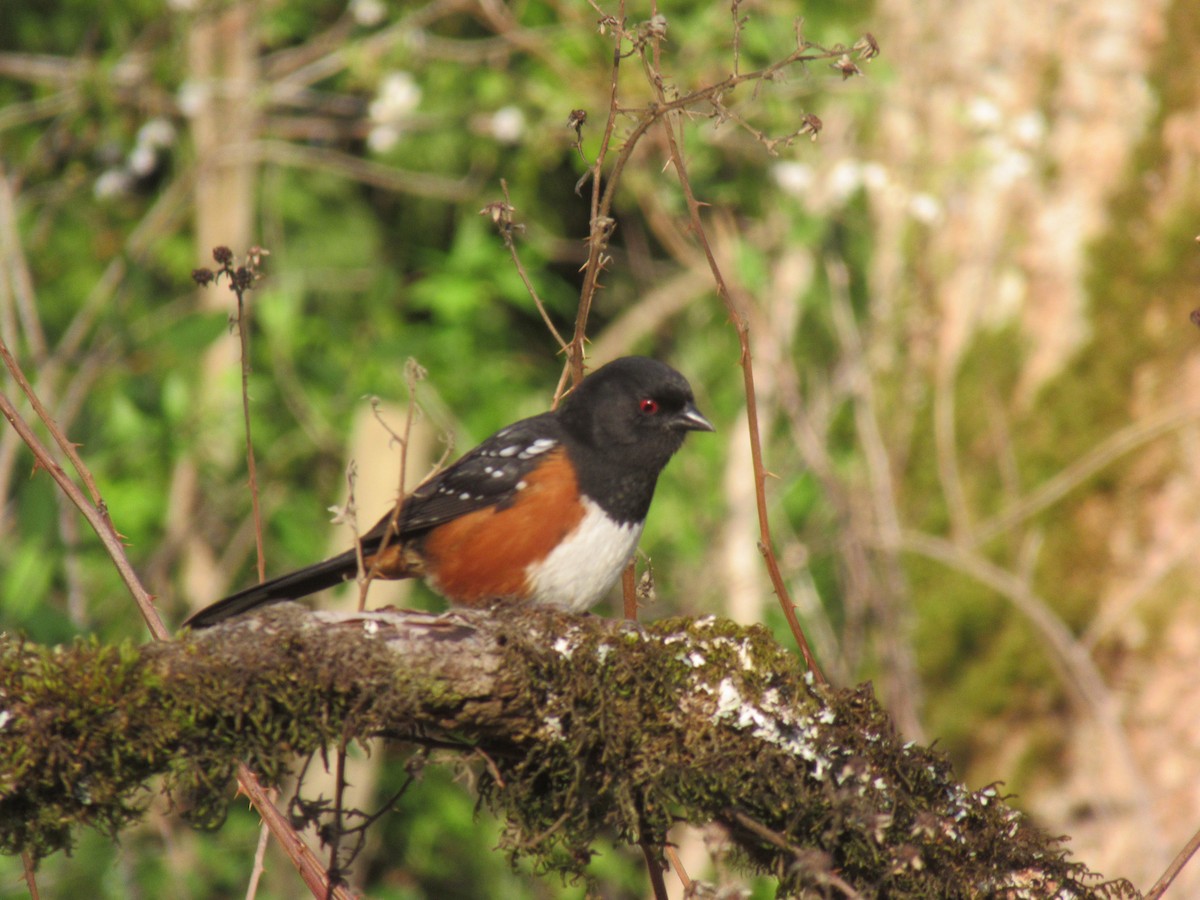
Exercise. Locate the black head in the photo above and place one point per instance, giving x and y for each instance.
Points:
(634, 410)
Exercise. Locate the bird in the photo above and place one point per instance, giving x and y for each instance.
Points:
(547, 511)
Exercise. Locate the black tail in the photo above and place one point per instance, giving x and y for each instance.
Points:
(291, 586)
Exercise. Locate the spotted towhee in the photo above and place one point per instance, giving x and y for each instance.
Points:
(548, 510)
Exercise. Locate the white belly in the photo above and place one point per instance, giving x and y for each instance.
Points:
(584, 567)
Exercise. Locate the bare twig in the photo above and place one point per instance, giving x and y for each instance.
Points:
(47, 107)
(502, 217)
(349, 515)
(1068, 656)
(389, 178)
(1181, 859)
(1077, 670)
(677, 865)
(1095, 460)
(260, 853)
(414, 373)
(336, 828)
(778, 840)
(735, 10)
(904, 695)
(251, 467)
(946, 446)
(14, 269)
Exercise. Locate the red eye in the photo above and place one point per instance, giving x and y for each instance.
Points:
(649, 406)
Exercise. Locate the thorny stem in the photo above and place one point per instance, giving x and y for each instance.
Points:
(746, 361)
(302, 857)
(96, 516)
(44, 416)
(29, 875)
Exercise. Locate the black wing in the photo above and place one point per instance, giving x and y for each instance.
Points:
(487, 476)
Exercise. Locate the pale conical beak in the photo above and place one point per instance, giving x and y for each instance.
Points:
(690, 419)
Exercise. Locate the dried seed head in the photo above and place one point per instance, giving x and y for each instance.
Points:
(867, 47)
(846, 66)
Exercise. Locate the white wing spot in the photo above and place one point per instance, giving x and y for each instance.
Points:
(464, 496)
(541, 445)
(521, 485)
(497, 473)
(508, 451)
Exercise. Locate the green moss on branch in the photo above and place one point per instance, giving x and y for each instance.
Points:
(594, 728)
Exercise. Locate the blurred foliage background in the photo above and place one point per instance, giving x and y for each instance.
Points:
(969, 312)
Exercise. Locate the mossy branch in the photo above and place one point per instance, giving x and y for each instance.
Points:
(592, 727)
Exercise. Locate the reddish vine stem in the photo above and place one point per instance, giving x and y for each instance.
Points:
(746, 362)
(30, 875)
(95, 516)
(44, 416)
(629, 591)
(307, 865)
